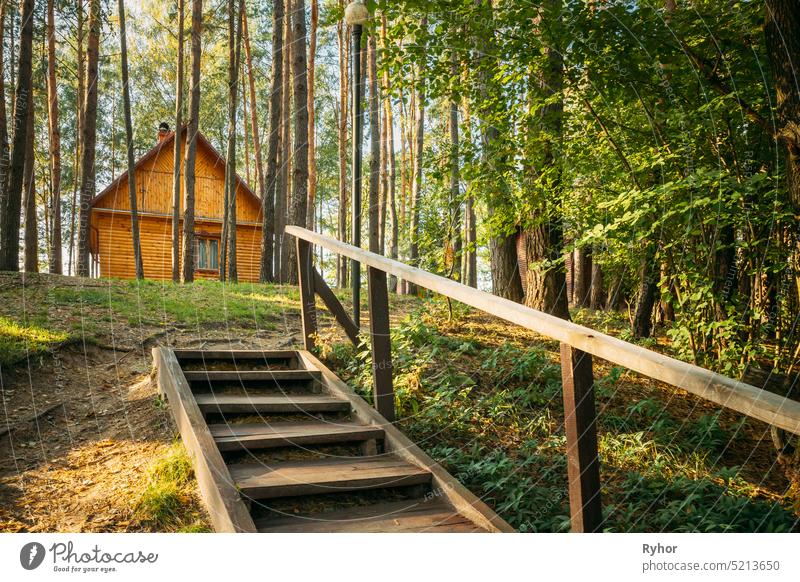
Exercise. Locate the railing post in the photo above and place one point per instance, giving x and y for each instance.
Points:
(383, 391)
(305, 279)
(583, 465)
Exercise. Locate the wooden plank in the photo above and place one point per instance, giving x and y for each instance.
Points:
(734, 394)
(322, 476)
(444, 485)
(411, 516)
(336, 308)
(244, 404)
(225, 506)
(251, 375)
(583, 465)
(266, 355)
(305, 280)
(252, 436)
(381, 342)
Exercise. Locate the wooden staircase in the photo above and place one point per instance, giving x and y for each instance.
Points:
(280, 444)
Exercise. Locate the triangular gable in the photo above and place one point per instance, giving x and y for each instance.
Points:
(167, 143)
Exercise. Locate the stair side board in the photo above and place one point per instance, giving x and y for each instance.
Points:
(225, 506)
(443, 484)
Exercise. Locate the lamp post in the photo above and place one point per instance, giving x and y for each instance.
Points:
(356, 14)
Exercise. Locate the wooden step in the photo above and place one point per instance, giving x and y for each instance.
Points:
(251, 436)
(415, 516)
(261, 481)
(249, 404)
(267, 355)
(252, 375)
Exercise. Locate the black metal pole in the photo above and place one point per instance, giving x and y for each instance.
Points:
(358, 125)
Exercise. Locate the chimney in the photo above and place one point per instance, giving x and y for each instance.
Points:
(163, 131)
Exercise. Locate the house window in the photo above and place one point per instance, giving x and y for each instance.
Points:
(207, 254)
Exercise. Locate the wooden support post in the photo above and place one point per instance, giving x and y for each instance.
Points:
(383, 391)
(583, 465)
(305, 278)
(336, 308)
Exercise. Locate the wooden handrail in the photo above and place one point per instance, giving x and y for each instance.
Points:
(751, 401)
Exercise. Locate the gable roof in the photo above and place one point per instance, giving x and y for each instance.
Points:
(156, 149)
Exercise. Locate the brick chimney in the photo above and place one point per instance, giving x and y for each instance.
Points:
(163, 131)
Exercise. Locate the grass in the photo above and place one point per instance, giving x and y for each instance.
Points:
(485, 401)
(19, 341)
(169, 502)
(34, 316)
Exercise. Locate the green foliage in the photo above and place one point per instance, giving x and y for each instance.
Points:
(491, 414)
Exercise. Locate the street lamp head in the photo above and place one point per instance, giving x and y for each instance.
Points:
(356, 13)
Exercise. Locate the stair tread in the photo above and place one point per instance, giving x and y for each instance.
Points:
(320, 476)
(288, 429)
(261, 403)
(215, 375)
(400, 516)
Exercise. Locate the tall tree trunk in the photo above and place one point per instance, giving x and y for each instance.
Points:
(385, 130)
(312, 130)
(54, 132)
(11, 214)
(31, 258)
(176, 155)
(228, 246)
(546, 288)
(282, 192)
(781, 24)
(416, 194)
(187, 249)
(597, 299)
(300, 94)
(455, 183)
(254, 130)
(506, 280)
(582, 281)
(5, 154)
(470, 262)
(374, 148)
(79, 101)
(268, 196)
(642, 320)
(392, 178)
(341, 35)
(89, 136)
(246, 126)
(126, 100)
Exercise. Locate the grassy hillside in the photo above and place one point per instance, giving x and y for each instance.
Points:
(480, 396)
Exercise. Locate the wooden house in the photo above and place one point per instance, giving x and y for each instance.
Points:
(110, 239)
